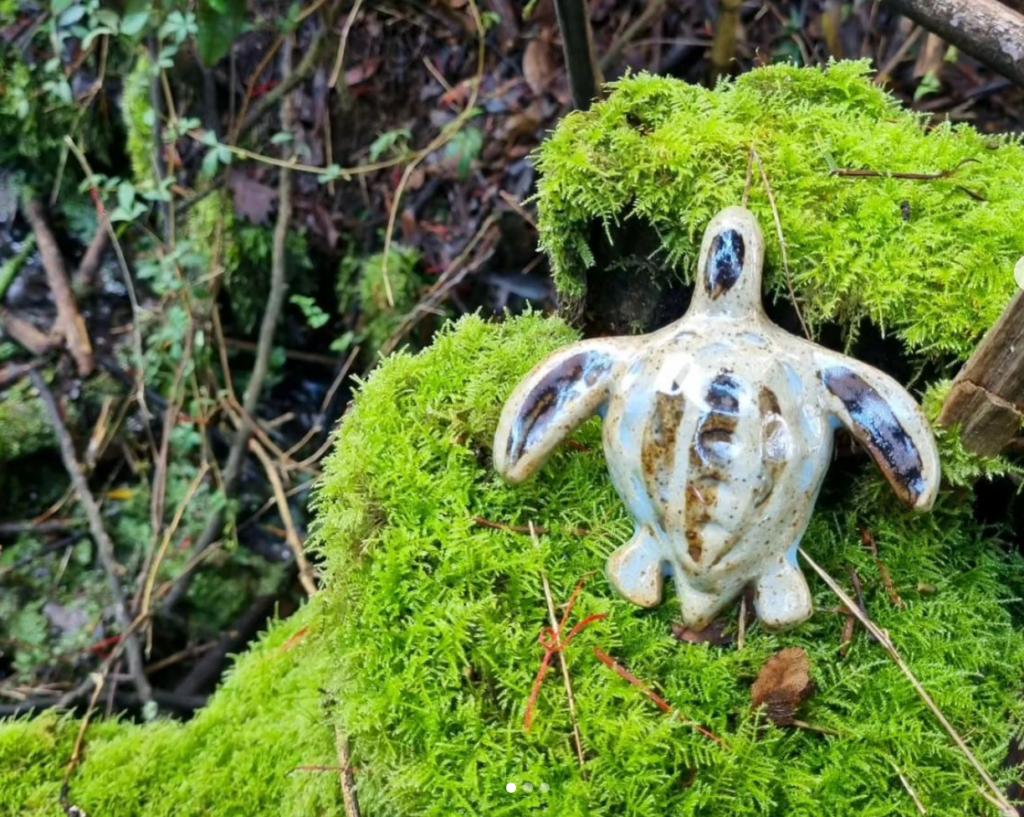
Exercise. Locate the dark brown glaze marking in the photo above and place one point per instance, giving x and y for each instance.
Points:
(658, 450)
(725, 262)
(565, 383)
(713, 439)
(773, 453)
(876, 428)
(701, 496)
(710, 455)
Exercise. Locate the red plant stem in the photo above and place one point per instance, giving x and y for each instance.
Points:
(551, 641)
(660, 702)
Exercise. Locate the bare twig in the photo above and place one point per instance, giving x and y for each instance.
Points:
(290, 80)
(306, 574)
(782, 241)
(556, 627)
(985, 29)
(643, 20)
(339, 62)
(76, 752)
(348, 783)
(910, 789)
(26, 335)
(104, 546)
(658, 701)
(997, 796)
(70, 323)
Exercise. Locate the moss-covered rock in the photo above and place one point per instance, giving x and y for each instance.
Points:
(642, 173)
(423, 644)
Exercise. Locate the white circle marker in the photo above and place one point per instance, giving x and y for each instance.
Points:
(544, 788)
(1018, 273)
(511, 788)
(527, 787)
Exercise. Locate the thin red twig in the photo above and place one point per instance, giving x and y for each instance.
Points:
(660, 702)
(551, 641)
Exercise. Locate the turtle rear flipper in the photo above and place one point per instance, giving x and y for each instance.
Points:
(569, 387)
(887, 422)
(635, 569)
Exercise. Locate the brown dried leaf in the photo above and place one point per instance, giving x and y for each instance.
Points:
(714, 634)
(538, 65)
(783, 684)
(254, 201)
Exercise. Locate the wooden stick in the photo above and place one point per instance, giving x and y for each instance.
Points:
(997, 798)
(104, 545)
(987, 398)
(991, 32)
(70, 323)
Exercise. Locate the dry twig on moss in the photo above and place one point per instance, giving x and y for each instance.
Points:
(104, 545)
(994, 794)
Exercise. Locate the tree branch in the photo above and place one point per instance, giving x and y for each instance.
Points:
(989, 31)
(99, 534)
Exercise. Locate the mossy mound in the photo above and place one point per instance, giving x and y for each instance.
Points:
(931, 261)
(436, 624)
(239, 756)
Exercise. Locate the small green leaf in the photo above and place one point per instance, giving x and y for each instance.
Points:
(220, 24)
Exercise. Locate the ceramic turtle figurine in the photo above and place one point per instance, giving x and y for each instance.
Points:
(718, 430)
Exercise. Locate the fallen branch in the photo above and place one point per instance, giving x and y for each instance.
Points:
(26, 335)
(988, 393)
(104, 545)
(997, 796)
(70, 324)
(988, 30)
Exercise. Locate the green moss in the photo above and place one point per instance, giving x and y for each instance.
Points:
(24, 429)
(361, 286)
(438, 619)
(670, 155)
(140, 121)
(239, 756)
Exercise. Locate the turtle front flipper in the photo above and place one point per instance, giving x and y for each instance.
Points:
(887, 421)
(569, 387)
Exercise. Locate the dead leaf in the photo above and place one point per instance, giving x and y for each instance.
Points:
(783, 684)
(714, 634)
(361, 73)
(254, 201)
(538, 65)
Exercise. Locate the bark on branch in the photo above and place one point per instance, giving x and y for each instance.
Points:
(986, 29)
(987, 398)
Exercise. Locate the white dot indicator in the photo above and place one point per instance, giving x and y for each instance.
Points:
(527, 787)
(543, 788)
(511, 788)
(1018, 273)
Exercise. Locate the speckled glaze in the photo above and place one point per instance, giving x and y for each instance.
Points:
(718, 430)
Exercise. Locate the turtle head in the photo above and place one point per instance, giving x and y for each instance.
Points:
(731, 258)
